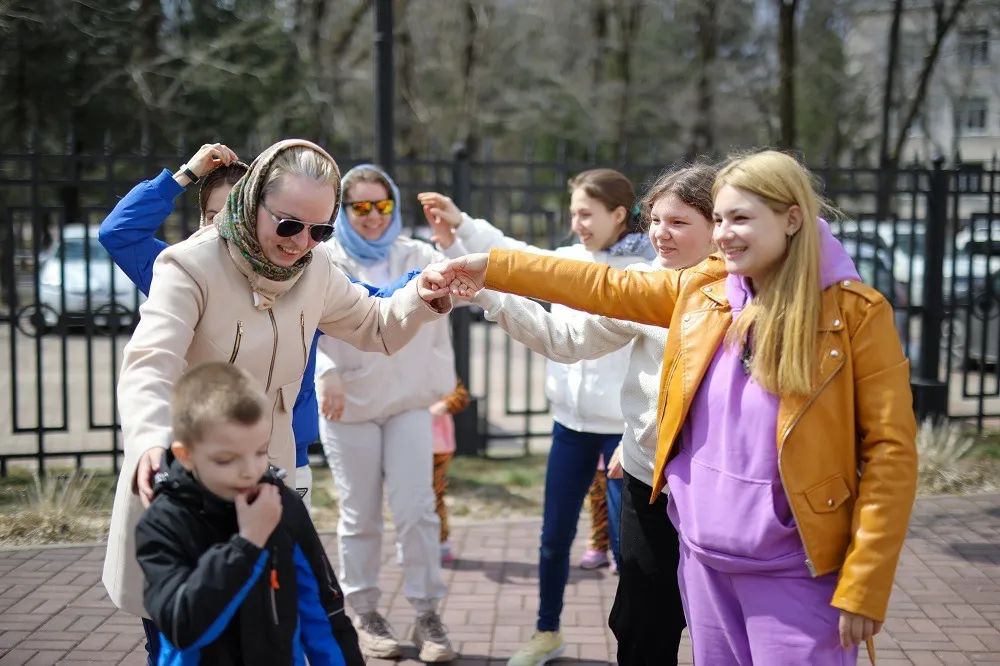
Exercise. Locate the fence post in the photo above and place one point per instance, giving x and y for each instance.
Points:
(468, 440)
(930, 394)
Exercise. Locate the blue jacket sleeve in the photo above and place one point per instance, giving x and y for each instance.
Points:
(128, 233)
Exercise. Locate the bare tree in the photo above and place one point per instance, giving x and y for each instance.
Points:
(945, 17)
(628, 13)
(890, 82)
(786, 52)
(703, 132)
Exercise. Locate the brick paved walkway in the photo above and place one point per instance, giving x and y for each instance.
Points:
(945, 607)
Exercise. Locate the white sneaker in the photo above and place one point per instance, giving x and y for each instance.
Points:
(431, 640)
(376, 638)
(543, 647)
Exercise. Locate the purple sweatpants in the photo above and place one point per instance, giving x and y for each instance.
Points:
(747, 619)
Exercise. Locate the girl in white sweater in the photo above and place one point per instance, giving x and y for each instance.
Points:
(585, 393)
(647, 617)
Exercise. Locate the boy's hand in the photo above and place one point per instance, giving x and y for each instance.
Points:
(258, 519)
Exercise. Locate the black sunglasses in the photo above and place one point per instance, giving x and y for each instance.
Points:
(318, 231)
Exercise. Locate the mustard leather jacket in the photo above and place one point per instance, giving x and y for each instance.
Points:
(846, 452)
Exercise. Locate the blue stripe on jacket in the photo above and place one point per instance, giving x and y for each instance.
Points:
(172, 656)
(317, 639)
(128, 234)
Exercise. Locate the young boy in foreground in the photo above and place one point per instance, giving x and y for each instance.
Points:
(235, 571)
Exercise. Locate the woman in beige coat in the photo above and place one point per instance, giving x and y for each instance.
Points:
(251, 290)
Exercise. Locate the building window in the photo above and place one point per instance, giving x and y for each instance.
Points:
(972, 113)
(974, 46)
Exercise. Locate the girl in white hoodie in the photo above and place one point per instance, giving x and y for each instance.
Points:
(585, 395)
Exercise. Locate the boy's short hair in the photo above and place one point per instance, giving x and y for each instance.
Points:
(211, 393)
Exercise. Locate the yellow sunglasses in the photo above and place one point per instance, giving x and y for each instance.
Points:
(384, 207)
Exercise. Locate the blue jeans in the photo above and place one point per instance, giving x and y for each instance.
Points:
(568, 474)
(152, 642)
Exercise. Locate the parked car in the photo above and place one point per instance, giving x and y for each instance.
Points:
(67, 275)
(874, 262)
(976, 321)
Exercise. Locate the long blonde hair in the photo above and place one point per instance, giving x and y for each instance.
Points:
(784, 314)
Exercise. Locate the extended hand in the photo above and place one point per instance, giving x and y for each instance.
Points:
(468, 274)
(438, 205)
(856, 629)
(434, 286)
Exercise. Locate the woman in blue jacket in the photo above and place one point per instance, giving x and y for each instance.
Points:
(128, 234)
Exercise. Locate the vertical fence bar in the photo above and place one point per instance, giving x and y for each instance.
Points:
(469, 441)
(930, 394)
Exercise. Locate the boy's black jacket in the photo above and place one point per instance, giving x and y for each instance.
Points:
(218, 599)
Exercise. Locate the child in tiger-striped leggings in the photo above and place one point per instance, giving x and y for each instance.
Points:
(443, 426)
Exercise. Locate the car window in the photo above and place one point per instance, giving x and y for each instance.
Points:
(74, 249)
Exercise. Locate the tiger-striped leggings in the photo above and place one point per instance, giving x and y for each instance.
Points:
(441, 464)
(597, 500)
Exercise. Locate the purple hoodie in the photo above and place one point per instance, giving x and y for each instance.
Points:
(726, 496)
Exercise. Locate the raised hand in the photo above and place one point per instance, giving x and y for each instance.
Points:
(438, 205)
(467, 274)
(258, 518)
(444, 233)
(209, 158)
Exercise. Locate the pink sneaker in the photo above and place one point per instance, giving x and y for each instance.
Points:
(447, 556)
(612, 566)
(594, 559)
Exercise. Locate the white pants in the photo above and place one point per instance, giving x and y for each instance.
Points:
(399, 452)
(304, 484)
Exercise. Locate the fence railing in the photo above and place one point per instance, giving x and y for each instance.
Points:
(936, 257)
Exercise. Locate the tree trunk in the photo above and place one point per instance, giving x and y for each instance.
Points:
(144, 51)
(786, 93)
(475, 16)
(599, 27)
(409, 124)
(629, 13)
(890, 81)
(943, 23)
(887, 164)
(703, 132)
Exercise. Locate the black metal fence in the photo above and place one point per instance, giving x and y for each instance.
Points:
(936, 257)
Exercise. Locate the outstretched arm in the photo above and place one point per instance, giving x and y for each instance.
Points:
(563, 339)
(645, 298)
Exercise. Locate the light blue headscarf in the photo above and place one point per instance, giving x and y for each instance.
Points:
(362, 249)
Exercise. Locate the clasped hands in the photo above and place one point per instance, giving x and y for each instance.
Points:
(461, 278)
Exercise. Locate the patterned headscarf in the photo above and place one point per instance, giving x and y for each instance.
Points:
(237, 221)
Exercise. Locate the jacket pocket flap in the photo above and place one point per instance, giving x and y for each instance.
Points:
(829, 495)
(289, 394)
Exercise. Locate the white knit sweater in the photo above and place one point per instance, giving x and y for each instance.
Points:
(570, 339)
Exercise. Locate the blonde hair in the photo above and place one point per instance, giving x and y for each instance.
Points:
(366, 175)
(783, 316)
(304, 162)
(213, 393)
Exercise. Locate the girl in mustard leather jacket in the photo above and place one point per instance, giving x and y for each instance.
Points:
(786, 425)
